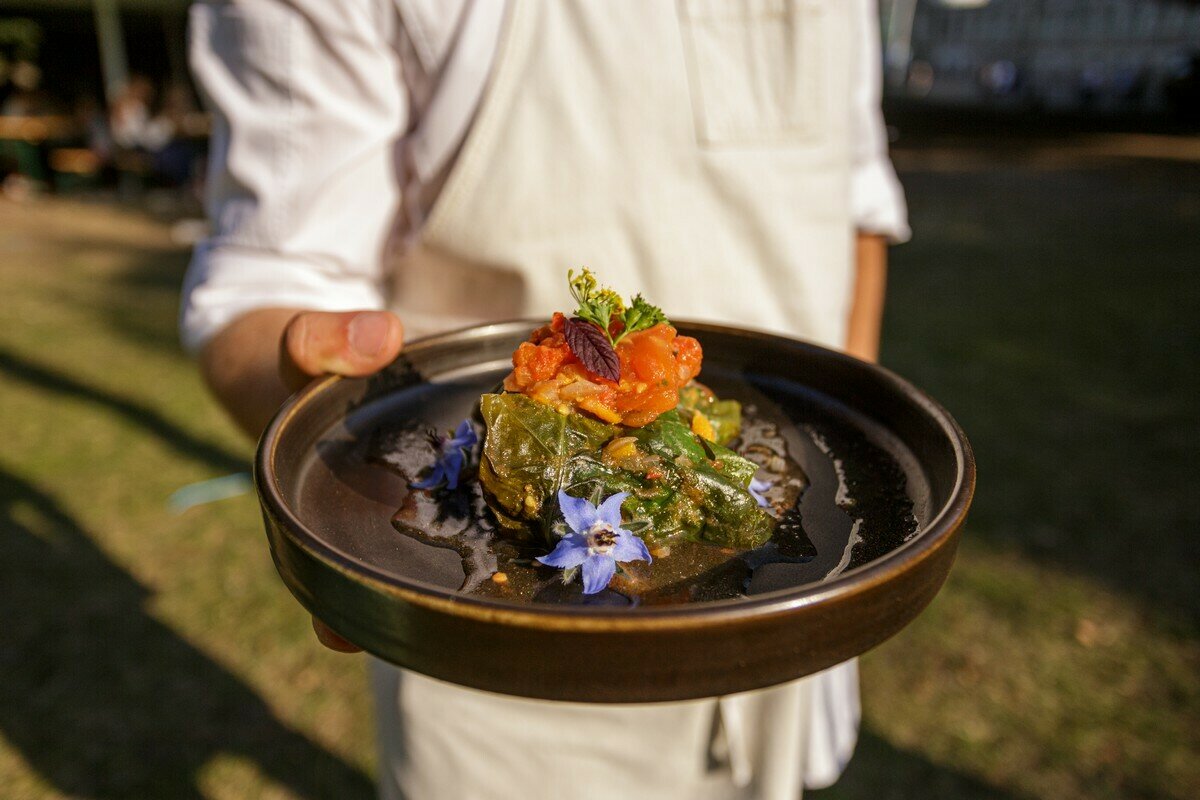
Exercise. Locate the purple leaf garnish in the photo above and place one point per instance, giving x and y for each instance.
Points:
(593, 349)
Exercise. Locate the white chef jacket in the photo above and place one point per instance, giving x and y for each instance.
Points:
(322, 168)
(328, 114)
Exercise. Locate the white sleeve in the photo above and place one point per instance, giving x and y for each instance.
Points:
(876, 199)
(308, 105)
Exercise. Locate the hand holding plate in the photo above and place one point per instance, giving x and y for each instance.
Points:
(350, 343)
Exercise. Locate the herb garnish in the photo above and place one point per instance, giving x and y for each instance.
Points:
(639, 316)
(590, 332)
(604, 307)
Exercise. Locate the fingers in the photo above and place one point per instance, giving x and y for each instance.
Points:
(343, 343)
(331, 640)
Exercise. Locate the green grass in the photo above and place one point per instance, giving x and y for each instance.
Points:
(1052, 310)
(145, 654)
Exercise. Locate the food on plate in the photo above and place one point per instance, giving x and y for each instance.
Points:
(603, 449)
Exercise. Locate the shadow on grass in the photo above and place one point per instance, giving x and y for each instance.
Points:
(141, 302)
(14, 366)
(880, 771)
(104, 701)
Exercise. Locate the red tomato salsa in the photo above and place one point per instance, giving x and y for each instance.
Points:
(655, 364)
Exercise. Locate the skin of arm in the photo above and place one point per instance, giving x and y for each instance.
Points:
(253, 364)
(866, 306)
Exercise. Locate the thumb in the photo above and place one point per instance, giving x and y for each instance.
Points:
(351, 343)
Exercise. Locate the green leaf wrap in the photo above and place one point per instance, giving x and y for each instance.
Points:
(725, 513)
(725, 415)
(532, 451)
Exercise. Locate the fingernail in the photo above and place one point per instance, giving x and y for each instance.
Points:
(368, 333)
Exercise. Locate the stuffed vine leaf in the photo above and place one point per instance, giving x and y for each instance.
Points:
(531, 452)
(679, 484)
(708, 480)
(724, 416)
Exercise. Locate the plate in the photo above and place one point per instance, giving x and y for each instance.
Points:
(328, 509)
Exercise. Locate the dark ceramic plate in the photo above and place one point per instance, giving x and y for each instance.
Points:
(328, 513)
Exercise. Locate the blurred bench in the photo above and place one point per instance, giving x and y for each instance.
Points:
(75, 167)
(23, 141)
(37, 129)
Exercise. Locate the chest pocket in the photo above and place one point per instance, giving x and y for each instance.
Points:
(755, 70)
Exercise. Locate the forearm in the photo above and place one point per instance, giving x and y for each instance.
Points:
(266, 259)
(866, 306)
(256, 361)
(240, 364)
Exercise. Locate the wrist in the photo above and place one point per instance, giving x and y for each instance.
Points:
(240, 365)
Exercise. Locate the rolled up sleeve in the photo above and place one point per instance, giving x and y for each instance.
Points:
(876, 198)
(308, 104)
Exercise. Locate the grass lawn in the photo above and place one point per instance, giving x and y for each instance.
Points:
(1050, 303)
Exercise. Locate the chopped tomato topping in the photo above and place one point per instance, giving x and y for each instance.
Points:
(655, 364)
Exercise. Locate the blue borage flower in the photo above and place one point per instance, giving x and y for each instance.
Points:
(757, 488)
(450, 462)
(597, 541)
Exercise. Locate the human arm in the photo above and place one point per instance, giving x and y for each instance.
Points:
(876, 200)
(307, 102)
(866, 304)
(255, 362)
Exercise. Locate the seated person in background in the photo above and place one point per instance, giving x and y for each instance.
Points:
(130, 121)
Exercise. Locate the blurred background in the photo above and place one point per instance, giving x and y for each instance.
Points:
(1050, 154)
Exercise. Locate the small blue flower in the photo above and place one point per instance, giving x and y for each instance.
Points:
(449, 464)
(757, 488)
(597, 541)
